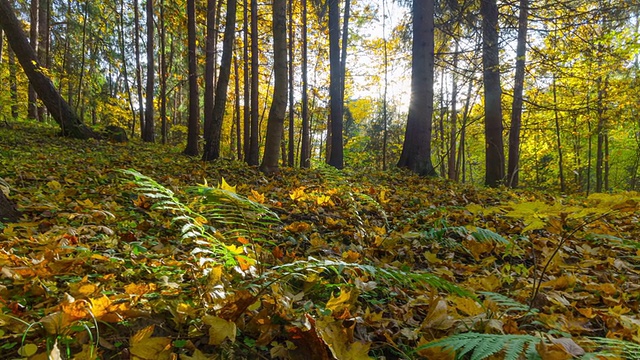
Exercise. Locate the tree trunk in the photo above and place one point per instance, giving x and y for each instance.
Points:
(516, 107)
(62, 113)
(149, 128)
(194, 105)
(416, 150)
(32, 109)
(255, 68)
(123, 58)
(238, 134)
(212, 139)
(44, 18)
(453, 123)
(275, 121)
(13, 83)
(164, 129)
(136, 46)
(209, 65)
(494, 159)
(305, 148)
(246, 94)
(291, 152)
(558, 136)
(279, 103)
(335, 87)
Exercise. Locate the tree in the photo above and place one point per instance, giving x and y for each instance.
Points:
(62, 113)
(32, 109)
(136, 46)
(416, 149)
(336, 158)
(253, 155)
(279, 103)
(516, 108)
(210, 65)
(212, 139)
(148, 134)
(194, 106)
(305, 148)
(494, 148)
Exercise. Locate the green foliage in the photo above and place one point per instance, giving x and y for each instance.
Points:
(508, 303)
(481, 346)
(616, 348)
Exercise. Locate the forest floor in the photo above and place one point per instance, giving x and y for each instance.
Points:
(307, 264)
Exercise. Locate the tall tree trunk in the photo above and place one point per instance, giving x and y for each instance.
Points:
(209, 65)
(255, 68)
(163, 76)
(194, 106)
(494, 159)
(601, 133)
(149, 127)
(246, 94)
(62, 113)
(516, 107)
(305, 148)
(13, 83)
(32, 109)
(279, 103)
(136, 46)
(123, 58)
(236, 72)
(558, 136)
(385, 127)
(335, 87)
(82, 57)
(44, 18)
(1, 44)
(416, 150)
(453, 122)
(291, 154)
(212, 139)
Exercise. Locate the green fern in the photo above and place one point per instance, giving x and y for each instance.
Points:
(615, 347)
(508, 303)
(481, 346)
(301, 267)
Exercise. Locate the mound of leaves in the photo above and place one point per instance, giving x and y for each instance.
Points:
(132, 250)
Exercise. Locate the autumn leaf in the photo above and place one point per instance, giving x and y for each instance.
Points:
(219, 329)
(145, 347)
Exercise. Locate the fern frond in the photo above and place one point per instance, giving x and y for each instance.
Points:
(615, 347)
(481, 346)
(298, 268)
(506, 302)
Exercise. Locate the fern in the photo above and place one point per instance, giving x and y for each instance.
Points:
(615, 347)
(217, 211)
(299, 268)
(442, 235)
(482, 346)
(508, 303)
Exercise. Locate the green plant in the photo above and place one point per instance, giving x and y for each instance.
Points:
(481, 346)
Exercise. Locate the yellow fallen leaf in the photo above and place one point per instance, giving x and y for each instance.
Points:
(28, 350)
(343, 301)
(145, 347)
(220, 329)
(224, 186)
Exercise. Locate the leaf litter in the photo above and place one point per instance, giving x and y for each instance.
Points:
(313, 264)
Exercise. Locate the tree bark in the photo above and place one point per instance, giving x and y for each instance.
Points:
(194, 105)
(164, 125)
(335, 158)
(136, 46)
(246, 94)
(305, 148)
(149, 127)
(32, 109)
(210, 65)
(416, 150)
(291, 149)
(516, 107)
(494, 147)
(212, 139)
(275, 121)
(62, 113)
(254, 150)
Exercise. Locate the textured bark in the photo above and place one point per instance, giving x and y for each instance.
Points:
(212, 139)
(305, 148)
(254, 151)
(494, 146)
(194, 106)
(209, 65)
(32, 109)
(279, 103)
(336, 157)
(136, 46)
(246, 115)
(416, 150)
(516, 107)
(62, 113)
(149, 127)
(291, 152)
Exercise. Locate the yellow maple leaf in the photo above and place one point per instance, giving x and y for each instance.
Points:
(343, 301)
(298, 194)
(224, 186)
(220, 329)
(335, 335)
(257, 197)
(145, 347)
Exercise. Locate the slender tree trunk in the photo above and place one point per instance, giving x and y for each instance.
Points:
(246, 114)
(62, 113)
(163, 75)
(453, 122)
(516, 107)
(416, 150)
(136, 45)
(194, 106)
(149, 128)
(209, 67)
(494, 160)
(305, 148)
(255, 68)
(385, 130)
(335, 87)
(600, 131)
(44, 18)
(558, 136)
(82, 57)
(1, 44)
(291, 154)
(13, 83)
(238, 134)
(123, 58)
(212, 139)
(32, 109)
